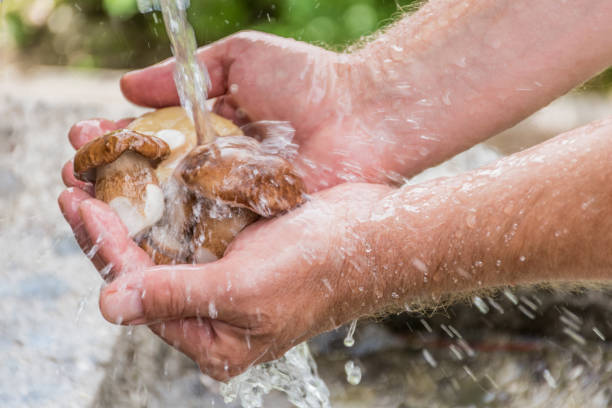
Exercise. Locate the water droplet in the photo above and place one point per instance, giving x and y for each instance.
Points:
(456, 352)
(574, 336)
(212, 310)
(105, 272)
(423, 151)
(349, 340)
(599, 333)
(353, 373)
(426, 325)
(420, 265)
(446, 98)
(496, 305)
(549, 379)
(511, 296)
(429, 358)
(481, 305)
(471, 220)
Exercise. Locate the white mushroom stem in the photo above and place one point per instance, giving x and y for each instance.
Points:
(170, 237)
(129, 186)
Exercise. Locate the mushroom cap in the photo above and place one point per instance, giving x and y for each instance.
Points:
(175, 117)
(236, 171)
(174, 126)
(106, 149)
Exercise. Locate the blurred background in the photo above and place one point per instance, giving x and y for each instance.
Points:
(60, 62)
(113, 34)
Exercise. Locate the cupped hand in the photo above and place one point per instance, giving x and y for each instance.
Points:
(258, 76)
(281, 281)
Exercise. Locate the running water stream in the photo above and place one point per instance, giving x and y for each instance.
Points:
(295, 374)
(190, 76)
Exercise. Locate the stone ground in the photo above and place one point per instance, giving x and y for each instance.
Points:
(56, 350)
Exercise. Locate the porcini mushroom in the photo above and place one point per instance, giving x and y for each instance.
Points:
(173, 126)
(122, 164)
(169, 241)
(185, 203)
(236, 182)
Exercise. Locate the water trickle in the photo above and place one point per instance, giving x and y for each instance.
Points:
(599, 333)
(349, 340)
(93, 251)
(481, 305)
(426, 325)
(550, 380)
(190, 76)
(105, 272)
(429, 358)
(511, 296)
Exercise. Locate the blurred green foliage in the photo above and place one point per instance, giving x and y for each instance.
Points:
(113, 34)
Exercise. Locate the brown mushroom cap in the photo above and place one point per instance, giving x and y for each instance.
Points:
(235, 170)
(108, 148)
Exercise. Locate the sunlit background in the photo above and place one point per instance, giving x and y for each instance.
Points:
(113, 34)
(60, 61)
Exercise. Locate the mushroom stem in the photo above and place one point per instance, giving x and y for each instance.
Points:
(168, 242)
(129, 186)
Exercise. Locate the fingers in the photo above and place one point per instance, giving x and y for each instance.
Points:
(170, 293)
(114, 246)
(71, 181)
(221, 351)
(69, 202)
(154, 86)
(84, 131)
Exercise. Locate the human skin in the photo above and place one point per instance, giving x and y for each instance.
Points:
(437, 82)
(540, 215)
(359, 249)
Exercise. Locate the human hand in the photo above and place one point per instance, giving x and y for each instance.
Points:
(281, 281)
(258, 76)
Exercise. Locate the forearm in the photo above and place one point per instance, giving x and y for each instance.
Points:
(543, 215)
(456, 72)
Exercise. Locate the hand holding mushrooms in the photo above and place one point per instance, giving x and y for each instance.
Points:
(388, 110)
(181, 202)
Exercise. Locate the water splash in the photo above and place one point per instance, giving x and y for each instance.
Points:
(295, 374)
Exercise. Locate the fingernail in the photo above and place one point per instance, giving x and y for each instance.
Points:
(123, 307)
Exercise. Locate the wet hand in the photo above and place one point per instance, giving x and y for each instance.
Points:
(257, 76)
(281, 282)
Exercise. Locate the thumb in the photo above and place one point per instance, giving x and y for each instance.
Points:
(154, 86)
(169, 293)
